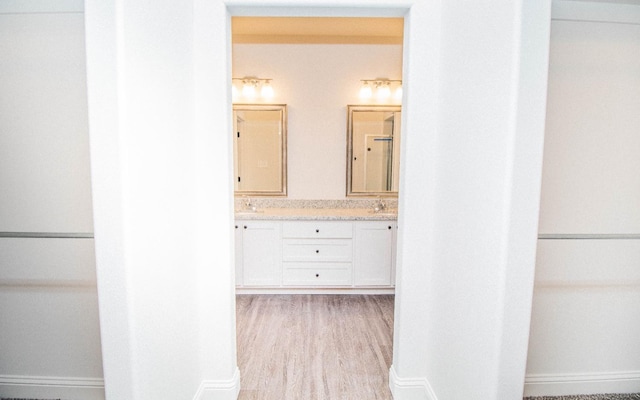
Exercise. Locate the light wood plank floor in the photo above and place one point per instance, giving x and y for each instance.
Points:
(314, 347)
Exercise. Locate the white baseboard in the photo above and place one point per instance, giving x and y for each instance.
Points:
(583, 383)
(68, 388)
(220, 390)
(409, 388)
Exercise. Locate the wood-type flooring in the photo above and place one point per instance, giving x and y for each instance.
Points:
(314, 347)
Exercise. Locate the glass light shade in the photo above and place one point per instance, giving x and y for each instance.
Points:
(365, 91)
(234, 91)
(383, 92)
(398, 93)
(248, 90)
(266, 91)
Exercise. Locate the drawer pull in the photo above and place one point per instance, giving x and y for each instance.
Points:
(389, 226)
(317, 230)
(317, 251)
(245, 227)
(317, 275)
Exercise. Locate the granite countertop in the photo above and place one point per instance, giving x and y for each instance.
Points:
(317, 214)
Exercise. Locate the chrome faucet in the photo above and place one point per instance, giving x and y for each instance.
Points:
(381, 206)
(247, 203)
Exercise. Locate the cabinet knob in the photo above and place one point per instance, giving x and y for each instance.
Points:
(236, 226)
(389, 226)
(317, 230)
(317, 251)
(317, 275)
(245, 227)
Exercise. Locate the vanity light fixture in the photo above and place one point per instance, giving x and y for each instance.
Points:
(365, 91)
(398, 93)
(251, 86)
(382, 89)
(249, 90)
(267, 90)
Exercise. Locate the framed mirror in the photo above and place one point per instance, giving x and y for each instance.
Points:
(373, 150)
(260, 149)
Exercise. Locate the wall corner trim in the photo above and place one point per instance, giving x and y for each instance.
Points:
(409, 388)
(219, 389)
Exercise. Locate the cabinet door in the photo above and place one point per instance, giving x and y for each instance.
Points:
(373, 255)
(238, 252)
(261, 253)
(394, 252)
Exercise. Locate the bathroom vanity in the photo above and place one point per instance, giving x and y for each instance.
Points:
(293, 249)
(288, 245)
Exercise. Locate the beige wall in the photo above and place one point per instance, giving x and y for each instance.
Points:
(317, 82)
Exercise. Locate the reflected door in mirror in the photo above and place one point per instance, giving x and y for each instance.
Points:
(373, 150)
(259, 150)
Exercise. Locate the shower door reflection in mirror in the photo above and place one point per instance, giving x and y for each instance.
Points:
(260, 149)
(373, 150)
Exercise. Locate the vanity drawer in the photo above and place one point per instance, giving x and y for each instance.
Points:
(317, 250)
(312, 274)
(317, 229)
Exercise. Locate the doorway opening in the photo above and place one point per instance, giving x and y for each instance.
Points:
(329, 342)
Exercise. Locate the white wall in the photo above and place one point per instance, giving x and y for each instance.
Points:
(139, 71)
(50, 337)
(317, 82)
(46, 184)
(588, 284)
(162, 187)
(585, 326)
(473, 162)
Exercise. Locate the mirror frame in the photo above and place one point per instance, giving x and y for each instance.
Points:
(282, 192)
(350, 110)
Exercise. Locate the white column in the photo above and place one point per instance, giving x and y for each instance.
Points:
(214, 203)
(470, 196)
(162, 196)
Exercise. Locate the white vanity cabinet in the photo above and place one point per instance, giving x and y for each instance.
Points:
(317, 253)
(374, 253)
(258, 254)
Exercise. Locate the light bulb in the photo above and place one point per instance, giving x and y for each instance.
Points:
(249, 89)
(267, 90)
(383, 92)
(234, 91)
(398, 93)
(365, 91)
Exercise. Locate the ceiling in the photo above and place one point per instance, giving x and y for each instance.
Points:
(317, 30)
